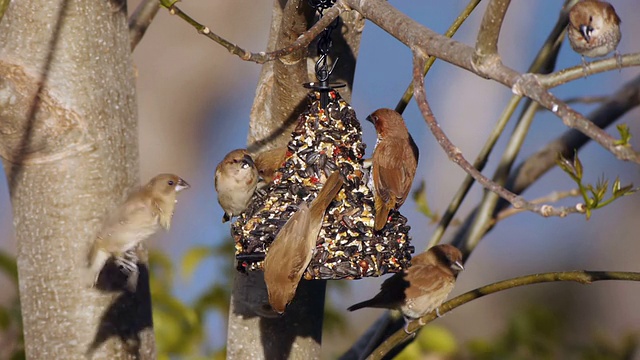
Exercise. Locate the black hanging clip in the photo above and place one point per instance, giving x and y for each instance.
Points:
(323, 71)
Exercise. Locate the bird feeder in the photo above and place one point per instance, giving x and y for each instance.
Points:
(328, 137)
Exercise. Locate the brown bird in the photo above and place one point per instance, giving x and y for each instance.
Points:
(422, 287)
(594, 28)
(236, 180)
(268, 162)
(395, 160)
(143, 212)
(291, 250)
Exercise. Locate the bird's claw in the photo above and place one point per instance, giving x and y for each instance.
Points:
(618, 60)
(406, 326)
(585, 67)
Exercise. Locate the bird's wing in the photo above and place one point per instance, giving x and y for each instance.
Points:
(426, 279)
(408, 170)
(388, 171)
(288, 250)
(131, 222)
(394, 288)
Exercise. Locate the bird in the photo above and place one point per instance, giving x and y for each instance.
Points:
(236, 180)
(143, 213)
(594, 28)
(268, 162)
(394, 163)
(422, 287)
(290, 252)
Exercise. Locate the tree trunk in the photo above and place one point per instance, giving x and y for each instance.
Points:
(68, 139)
(280, 98)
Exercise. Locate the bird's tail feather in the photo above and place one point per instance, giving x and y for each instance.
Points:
(328, 192)
(382, 214)
(360, 305)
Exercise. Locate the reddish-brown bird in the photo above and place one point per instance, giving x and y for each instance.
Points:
(268, 162)
(143, 213)
(422, 287)
(594, 28)
(291, 250)
(395, 160)
(235, 181)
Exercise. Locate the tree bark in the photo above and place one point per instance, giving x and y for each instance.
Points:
(280, 98)
(68, 139)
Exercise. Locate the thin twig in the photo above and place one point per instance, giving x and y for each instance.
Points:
(489, 33)
(582, 100)
(302, 41)
(529, 85)
(551, 198)
(544, 62)
(580, 276)
(456, 156)
(576, 72)
(141, 19)
(408, 93)
(418, 37)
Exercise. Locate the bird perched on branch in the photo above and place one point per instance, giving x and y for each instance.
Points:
(145, 210)
(291, 250)
(594, 28)
(422, 287)
(235, 181)
(394, 163)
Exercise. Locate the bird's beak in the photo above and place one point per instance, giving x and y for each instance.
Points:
(248, 159)
(182, 185)
(457, 266)
(369, 119)
(586, 31)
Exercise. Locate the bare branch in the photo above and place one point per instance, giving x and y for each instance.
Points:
(596, 67)
(262, 57)
(455, 154)
(420, 39)
(408, 93)
(489, 33)
(553, 197)
(141, 19)
(581, 276)
(529, 85)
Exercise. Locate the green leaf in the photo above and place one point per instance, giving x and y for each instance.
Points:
(625, 135)
(577, 165)
(420, 197)
(9, 266)
(161, 266)
(217, 297)
(5, 317)
(568, 167)
(193, 257)
(437, 339)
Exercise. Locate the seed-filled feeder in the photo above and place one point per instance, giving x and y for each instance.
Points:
(328, 138)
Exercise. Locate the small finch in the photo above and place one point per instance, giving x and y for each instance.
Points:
(394, 163)
(141, 215)
(594, 28)
(422, 287)
(236, 180)
(291, 250)
(268, 162)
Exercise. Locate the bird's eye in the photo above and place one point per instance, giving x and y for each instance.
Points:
(590, 19)
(171, 182)
(245, 164)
